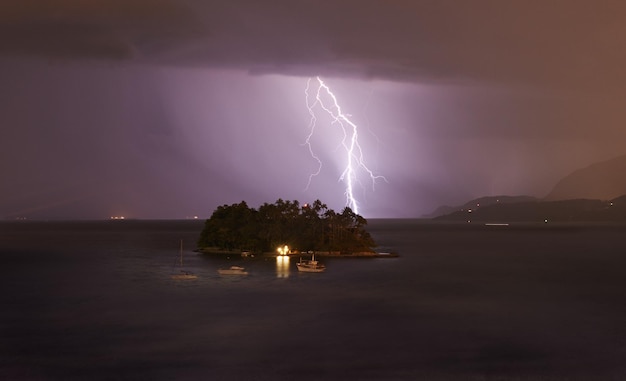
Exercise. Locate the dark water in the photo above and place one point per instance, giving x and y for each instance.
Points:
(94, 301)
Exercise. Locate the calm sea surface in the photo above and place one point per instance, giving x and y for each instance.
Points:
(94, 301)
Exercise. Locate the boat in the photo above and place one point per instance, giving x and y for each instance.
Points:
(182, 274)
(233, 270)
(310, 265)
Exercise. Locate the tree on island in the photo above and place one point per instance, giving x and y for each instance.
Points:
(303, 228)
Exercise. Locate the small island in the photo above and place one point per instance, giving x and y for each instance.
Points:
(307, 228)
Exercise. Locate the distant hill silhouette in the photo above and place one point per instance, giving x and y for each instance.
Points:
(479, 202)
(579, 210)
(600, 181)
(594, 193)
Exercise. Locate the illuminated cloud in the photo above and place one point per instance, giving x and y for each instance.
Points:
(170, 108)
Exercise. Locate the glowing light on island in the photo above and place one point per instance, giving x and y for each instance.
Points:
(324, 99)
(283, 250)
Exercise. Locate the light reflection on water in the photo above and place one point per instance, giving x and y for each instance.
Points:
(282, 266)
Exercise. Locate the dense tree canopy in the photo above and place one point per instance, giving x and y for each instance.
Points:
(302, 228)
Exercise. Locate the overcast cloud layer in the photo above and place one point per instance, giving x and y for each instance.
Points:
(459, 99)
(569, 43)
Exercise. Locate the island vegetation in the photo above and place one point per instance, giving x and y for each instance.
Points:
(303, 228)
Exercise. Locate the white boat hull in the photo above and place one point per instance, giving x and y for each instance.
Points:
(233, 270)
(183, 276)
(310, 269)
(311, 266)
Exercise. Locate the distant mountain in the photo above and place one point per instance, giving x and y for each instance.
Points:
(594, 193)
(478, 203)
(600, 181)
(579, 210)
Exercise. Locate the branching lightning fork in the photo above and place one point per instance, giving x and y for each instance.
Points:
(350, 141)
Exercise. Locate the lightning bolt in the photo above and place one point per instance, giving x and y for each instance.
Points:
(315, 98)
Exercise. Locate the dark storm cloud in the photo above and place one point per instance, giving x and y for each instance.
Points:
(70, 29)
(147, 106)
(574, 44)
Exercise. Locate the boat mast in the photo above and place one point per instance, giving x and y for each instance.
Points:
(181, 253)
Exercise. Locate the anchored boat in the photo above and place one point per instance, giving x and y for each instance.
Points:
(182, 274)
(310, 265)
(233, 270)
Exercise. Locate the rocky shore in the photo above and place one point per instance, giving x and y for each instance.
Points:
(333, 254)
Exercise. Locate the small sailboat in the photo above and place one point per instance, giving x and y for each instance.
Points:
(310, 266)
(182, 274)
(233, 270)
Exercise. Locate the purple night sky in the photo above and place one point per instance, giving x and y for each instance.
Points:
(168, 108)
